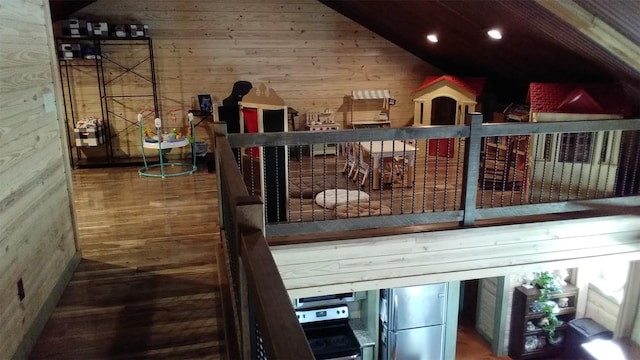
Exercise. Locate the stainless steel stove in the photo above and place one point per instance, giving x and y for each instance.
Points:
(329, 334)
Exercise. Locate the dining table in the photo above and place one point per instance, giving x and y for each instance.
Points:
(380, 150)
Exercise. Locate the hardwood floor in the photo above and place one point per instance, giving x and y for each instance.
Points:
(471, 346)
(147, 286)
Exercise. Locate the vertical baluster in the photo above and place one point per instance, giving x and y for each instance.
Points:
(324, 174)
(525, 171)
(424, 180)
(565, 158)
(435, 175)
(457, 181)
(634, 171)
(484, 171)
(617, 169)
(546, 155)
(300, 162)
(413, 181)
(554, 161)
(446, 175)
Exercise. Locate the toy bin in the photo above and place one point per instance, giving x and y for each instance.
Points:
(201, 148)
(582, 331)
(89, 136)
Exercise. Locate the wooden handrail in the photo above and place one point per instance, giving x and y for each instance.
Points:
(279, 326)
(281, 332)
(229, 168)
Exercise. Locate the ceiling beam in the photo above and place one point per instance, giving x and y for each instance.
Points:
(596, 30)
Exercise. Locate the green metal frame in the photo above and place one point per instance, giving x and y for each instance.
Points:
(145, 170)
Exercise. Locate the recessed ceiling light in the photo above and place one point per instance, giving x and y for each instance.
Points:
(433, 38)
(494, 34)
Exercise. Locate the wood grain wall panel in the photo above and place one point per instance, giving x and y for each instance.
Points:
(37, 237)
(22, 54)
(514, 281)
(17, 29)
(602, 309)
(27, 162)
(307, 52)
(635, 333)
(29, 77)
(487, 307)
(363, 264)
(28, 12)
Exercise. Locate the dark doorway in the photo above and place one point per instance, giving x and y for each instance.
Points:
(468, 301)
(443, 112)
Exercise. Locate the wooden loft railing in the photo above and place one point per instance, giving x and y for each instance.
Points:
(523, 169)
(262, 323)
(554, 173)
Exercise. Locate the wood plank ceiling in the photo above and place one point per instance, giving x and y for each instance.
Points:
(538, 45)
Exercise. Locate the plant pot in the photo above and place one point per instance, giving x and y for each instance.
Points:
(555, 340)
(536, 306)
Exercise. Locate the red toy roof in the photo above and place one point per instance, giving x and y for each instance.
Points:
(474, 85)
(571, 98)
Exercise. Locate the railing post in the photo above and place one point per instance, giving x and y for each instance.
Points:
(471, 169)
(249, 214)
(219, 129)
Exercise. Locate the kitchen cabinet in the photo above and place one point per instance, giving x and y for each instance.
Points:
(527, 339)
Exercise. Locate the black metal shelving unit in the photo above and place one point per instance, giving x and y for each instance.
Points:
(108, 73)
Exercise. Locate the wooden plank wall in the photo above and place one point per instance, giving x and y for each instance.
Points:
(311, 55)
(635, 332)
(602, 309)
(485, 321)
(37, 237)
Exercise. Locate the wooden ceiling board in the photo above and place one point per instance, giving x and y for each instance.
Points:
(537, 45)
(622, 15)
(61, 9)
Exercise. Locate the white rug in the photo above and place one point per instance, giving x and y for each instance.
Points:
(331, 198)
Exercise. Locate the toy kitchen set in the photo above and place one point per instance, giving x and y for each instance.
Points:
(322, 121)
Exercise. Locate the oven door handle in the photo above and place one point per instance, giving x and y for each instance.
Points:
(350, 357)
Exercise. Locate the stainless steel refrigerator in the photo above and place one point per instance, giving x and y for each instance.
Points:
(413, 322)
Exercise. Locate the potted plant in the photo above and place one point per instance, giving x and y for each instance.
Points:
(547, 285)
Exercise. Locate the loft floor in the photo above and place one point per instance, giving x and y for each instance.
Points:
(147, 285)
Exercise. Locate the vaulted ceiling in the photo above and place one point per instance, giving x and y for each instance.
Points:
(543, 40)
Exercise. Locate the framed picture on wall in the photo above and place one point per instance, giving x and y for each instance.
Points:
(205, 103)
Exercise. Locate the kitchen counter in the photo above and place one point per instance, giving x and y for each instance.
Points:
(364, 337)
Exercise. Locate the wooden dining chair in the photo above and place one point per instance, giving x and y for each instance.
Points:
(362, 167)
(350, 159)
(394, 168)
